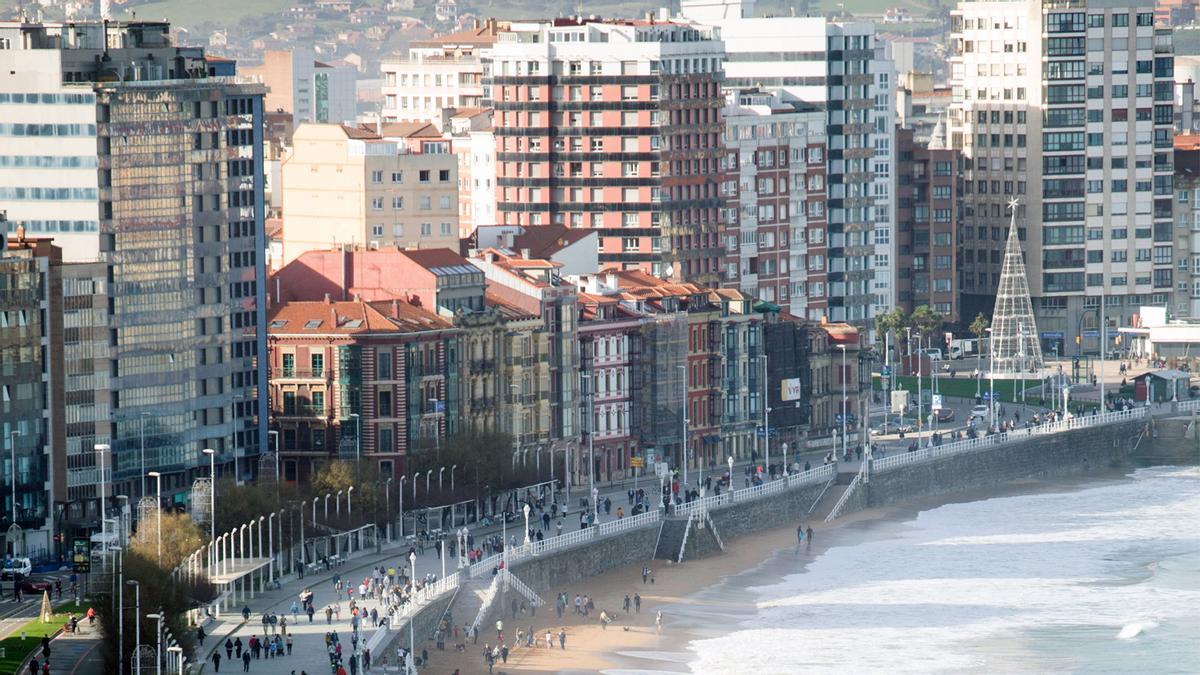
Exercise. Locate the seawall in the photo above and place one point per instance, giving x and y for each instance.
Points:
(1070, 453)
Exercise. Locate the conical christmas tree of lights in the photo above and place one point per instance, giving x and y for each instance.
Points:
(1014, 343)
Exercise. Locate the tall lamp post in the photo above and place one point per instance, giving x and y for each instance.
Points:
(100, 449)
(142, 437)
(212, 492)
(526, 510)
(766, 410)
(684, 420)
(845, 401)
(158, 491)
(158, 657)
(137, 613)
(412, 561)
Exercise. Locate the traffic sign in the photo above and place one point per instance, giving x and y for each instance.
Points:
(637, 462)
(937, 402)
(761, 432)
(887, 370)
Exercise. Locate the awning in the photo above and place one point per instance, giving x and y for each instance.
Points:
(237, 568)
(764, 306)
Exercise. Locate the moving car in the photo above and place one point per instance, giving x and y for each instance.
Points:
(980, 412)
(16, 568)
(945, 414)
(29, 586)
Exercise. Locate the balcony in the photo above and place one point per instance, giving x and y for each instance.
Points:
(482, 366)
(302, 410)
(288, 373)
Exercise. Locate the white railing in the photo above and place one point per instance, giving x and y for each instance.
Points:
(489, 596)
(520, 586)
(687, 529)
(630, 522)
(983, 442)
(1190, 404)
(713, 528)
(820, 474)
(418, 601)
(841, 503)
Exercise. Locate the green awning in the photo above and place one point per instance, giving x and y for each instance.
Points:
(764, 307)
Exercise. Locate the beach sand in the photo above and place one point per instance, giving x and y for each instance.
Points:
(695, 604)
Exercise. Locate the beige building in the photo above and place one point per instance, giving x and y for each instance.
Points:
(444, 72)
(350, 185)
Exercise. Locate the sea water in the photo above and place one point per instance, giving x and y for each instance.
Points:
(1103, 579)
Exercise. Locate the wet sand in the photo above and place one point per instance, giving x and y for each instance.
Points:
(699, 599)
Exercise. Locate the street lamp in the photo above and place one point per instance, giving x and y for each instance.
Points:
(684, 421)
(452, 477)
(158, 491)
(327, 496)
(212, 492)
(766, 423)
(137, 613)
(730, 460)
(357, 436)
(412, 561)
(349, 493)
(400, 498)
(337, 502)
(428, 475)
(158, 650)
(845, 400)
(100, 449)
(526, 511)
(441, 473)
(142, 435)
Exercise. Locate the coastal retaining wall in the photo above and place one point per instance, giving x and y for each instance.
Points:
(1075, 452)
(570, 566)
(425, 622)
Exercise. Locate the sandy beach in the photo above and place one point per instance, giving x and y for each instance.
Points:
(691, 610)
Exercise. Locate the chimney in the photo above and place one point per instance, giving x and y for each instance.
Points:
(328, 300)
(489, 256)
(525, 254)
(395, 308)
(610, 280)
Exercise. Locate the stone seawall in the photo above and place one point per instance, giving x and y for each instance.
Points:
(1070, 453)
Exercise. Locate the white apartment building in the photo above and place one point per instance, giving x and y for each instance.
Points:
(774, 157)
(313, 91)
(883, 186)
(834, 65)
(438, 74)
(351, 185)
(1068, 108)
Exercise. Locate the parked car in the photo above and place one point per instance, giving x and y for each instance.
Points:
(16, 568)
(945, 415)
(29, 586)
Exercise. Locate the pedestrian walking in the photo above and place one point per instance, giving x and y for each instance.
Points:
(637, 603)
(216, 662)
(562, 639)
(549, 639)
(626, 603)
(289, 644)
(246, 661)
(228, 648)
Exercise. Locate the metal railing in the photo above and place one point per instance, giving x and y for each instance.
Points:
(527, 592)
(1188, 405)
(983, 442)
(489, 596)
(841, 503)
(419, 600)
(805, 478)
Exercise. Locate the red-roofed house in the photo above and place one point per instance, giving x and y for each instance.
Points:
(359, 379)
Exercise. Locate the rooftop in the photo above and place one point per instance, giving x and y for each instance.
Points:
(440, 261)
(350, 317)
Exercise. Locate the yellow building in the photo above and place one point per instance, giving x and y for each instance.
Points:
(351, 185)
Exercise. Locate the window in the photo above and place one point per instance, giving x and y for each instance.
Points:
(423, 175)
(376, 176)
(426, 203)
(385, 403)
(1095, 21)
(397, 176)
(444, 175)
(397, 203)
(317, 362)
(385, 366)
(377, 203)
(1120, 20)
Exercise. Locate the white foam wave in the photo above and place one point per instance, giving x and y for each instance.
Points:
(981, 586)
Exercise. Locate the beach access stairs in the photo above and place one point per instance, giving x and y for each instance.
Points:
(833, 495)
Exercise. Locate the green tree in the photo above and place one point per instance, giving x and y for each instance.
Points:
(979, 328)
(181, 537)
(925, 321)
(893, 321)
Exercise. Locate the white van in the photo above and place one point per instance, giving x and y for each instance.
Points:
(932, 353)
(16, 568)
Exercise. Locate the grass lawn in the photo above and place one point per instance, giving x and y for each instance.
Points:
(16, 649)
(1007, 391)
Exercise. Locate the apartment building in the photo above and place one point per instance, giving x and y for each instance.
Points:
(470, 133)
(541, 306)
(927, 270)
(32, 416)
(1187, 226)
(368, 186)
(1069, 109)
(359, 380)
(774, 188)
(835, 65)
(119, 145)
(312, 91)
(442, 73)
(614, 126)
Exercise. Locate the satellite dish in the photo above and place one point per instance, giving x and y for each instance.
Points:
(668, 272)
